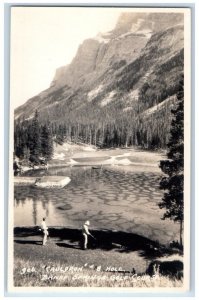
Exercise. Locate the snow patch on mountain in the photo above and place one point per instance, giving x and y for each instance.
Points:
(146, 32)
(136, 26)
(124, 35)
(108, 99)
(101, 38)
(159, 106)
(128, 108)
(134, 94)
(136, 29)
(30, 118)
(92, 94)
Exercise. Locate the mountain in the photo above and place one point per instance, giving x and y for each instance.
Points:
(116, 78)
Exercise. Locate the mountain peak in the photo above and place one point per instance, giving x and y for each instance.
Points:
(126, 20)
(125, 41)
(135, 22)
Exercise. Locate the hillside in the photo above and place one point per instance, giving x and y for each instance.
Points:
(101, 97)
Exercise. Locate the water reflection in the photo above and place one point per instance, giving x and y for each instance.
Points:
(29, 212)
(34, 212)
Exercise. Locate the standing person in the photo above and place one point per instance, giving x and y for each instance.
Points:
(44, 228)
(86, 233)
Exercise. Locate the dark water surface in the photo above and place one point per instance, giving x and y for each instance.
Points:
(111, 198)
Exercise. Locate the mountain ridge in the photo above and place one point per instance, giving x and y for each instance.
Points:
(116, 75)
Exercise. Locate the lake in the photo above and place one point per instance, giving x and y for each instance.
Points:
(120, 198)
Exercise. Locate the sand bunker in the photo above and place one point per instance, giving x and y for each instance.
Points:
(44, 182)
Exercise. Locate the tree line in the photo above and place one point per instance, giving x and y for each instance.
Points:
(148, 131)
(33, 141)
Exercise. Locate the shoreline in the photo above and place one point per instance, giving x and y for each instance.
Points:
(121, 255)
(107, 237)
(71, 155)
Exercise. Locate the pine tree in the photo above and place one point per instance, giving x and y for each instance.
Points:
(17, 140)
(173, 167)
(34, 139)
(46, 142)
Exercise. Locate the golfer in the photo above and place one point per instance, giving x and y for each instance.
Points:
(44, 228)
(86, 233)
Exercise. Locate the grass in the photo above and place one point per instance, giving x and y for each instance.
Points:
(35, 274)
(62, 263)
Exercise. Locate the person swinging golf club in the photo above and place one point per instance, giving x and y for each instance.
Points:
(86, 233)
(44, 228)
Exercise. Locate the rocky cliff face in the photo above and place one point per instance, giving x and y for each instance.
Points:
(124, 42)
(111, 69)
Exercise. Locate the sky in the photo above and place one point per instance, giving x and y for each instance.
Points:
(46, 38)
